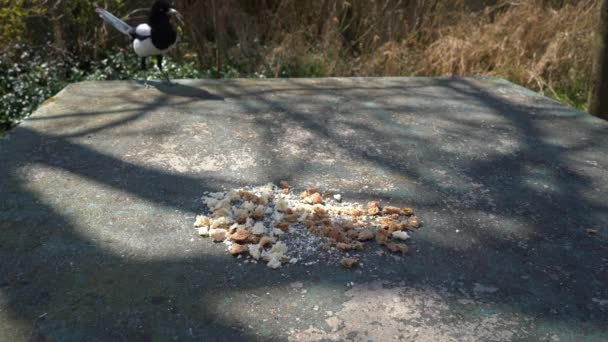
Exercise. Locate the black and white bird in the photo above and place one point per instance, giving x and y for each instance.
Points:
(152, 39)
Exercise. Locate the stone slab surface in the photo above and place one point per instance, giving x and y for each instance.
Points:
(100, 187)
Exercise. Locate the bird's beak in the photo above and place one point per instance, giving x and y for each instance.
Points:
(172, 12)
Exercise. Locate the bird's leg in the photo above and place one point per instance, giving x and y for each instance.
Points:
(159, 63)
(144, 67)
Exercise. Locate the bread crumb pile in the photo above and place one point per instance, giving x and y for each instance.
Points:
(271, 224)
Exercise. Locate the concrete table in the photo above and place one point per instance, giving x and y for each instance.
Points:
(100, 187)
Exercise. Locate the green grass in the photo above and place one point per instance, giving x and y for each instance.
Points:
(574, 99)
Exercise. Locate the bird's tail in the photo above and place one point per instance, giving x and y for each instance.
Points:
(114, 21)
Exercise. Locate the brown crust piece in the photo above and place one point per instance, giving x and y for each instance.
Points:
(344, 246)
(365, 235)
(354, 234)
(357, 213)
(326, 222)
(348, 226)
(394, 227)
(337, 235)
(373, 204)
(242, 218)
(282, 226)
(349, 246)
(348, 263)
(316, 198)
(283, 185)
(381, 236)
(291, 218)
(414, 222)
(202, 221)
(267, 240)
(237, 249)
(373, 211)
(309, 224)
(249, 196)
(241, 235)
(391, 210)
(407, 211)
(319, 212)
(398, 247)
(311, 190)
(221, 212)
(385, 222)
(405, 225)
(258, 214)
(253, 239)
(356, 245)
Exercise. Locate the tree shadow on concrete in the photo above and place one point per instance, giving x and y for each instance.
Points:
(59, 282)
(521, 217)
(64, 285)
(182, 90)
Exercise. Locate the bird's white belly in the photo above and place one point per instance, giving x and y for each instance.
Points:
(145, 48)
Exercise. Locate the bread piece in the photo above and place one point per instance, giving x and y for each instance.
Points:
(267, 240)
(390, 210)
(365, 235)
(348, 263)
(237, 249)
(382, 236)
(218, 235)
(373, 211)
(241, 235)
(202, 221)
(373, 204)
(414, 222)
(407, 211)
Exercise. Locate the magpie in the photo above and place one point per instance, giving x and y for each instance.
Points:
(154, 38)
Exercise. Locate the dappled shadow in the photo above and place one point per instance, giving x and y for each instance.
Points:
(518, 219)
(505, 193)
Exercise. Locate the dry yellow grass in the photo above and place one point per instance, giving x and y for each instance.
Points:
(546, 48)
(538, 47)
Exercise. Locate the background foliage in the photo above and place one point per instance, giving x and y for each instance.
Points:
(545, 45)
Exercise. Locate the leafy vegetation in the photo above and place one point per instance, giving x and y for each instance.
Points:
(545, 45)
(36, 75)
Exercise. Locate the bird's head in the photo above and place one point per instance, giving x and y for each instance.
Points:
(163, 8)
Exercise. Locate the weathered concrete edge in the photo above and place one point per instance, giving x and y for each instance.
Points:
(206, 81)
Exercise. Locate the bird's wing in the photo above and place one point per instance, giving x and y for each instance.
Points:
(143, 30)
(114, 21)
